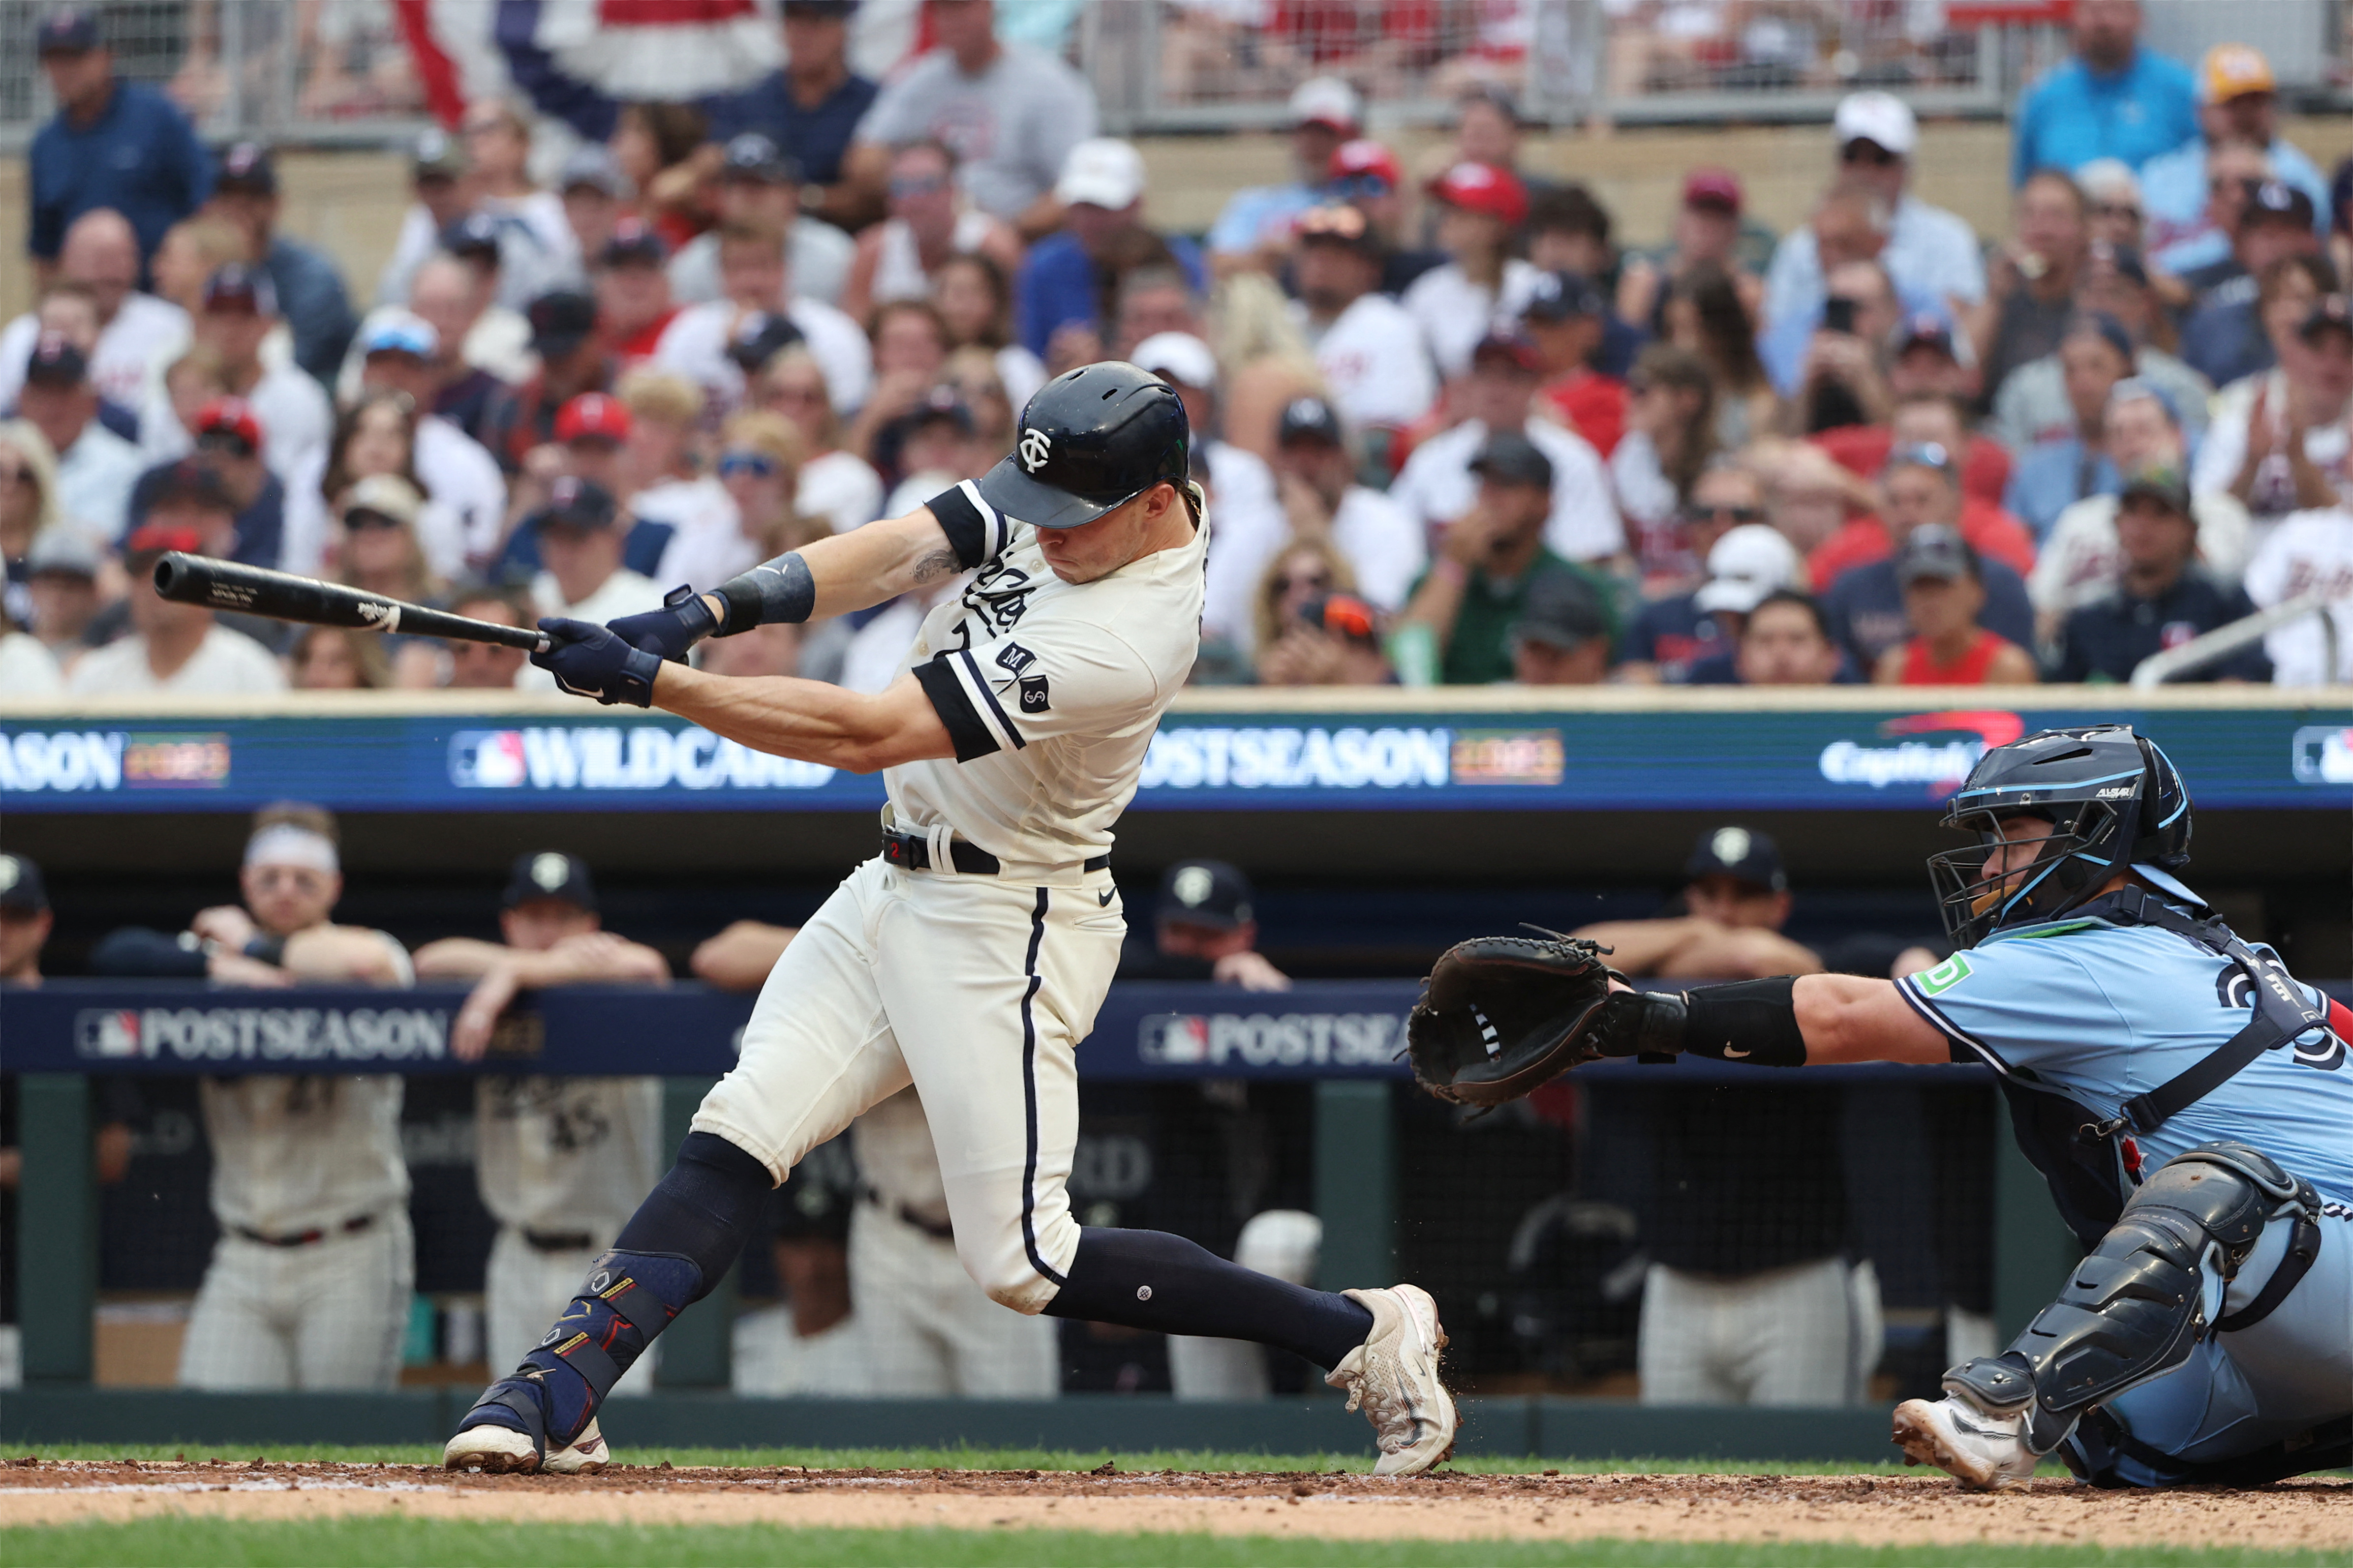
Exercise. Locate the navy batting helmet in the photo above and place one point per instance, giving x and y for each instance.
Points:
(1091, 439)
(2113, 802)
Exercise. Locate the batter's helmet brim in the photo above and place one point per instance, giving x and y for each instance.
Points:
(1018, 496)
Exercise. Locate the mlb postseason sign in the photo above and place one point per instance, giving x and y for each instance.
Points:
(1676, 759)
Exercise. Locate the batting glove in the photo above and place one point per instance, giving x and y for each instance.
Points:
(589, 661)
(667, 633)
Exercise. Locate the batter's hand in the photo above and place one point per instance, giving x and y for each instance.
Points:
(684, 619)
(589, 661)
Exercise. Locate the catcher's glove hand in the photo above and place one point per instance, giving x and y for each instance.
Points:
(1500, 1015)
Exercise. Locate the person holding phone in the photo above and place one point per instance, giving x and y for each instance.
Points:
(1842, 380)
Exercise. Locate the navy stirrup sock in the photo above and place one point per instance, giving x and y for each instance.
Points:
(678, 1244)
(1148, 1280)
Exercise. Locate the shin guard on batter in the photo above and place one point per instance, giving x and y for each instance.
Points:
(681, 1241)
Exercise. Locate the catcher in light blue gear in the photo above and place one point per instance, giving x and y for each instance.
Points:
(2188, 1101)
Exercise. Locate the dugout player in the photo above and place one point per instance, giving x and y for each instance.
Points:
(309, 1285)
(2186, 1099)
(560, 1161)
(970, 956)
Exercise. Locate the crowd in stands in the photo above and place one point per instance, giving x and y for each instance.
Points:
(1453, 431)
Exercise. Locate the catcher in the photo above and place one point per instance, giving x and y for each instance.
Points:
(2185, 1097)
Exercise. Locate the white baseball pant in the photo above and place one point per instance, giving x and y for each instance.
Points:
(329, 1315)
(1807, 1334)
(525, 1289)
(928, 1329)
(977, 991)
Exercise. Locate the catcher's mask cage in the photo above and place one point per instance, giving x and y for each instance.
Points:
(2113, 801)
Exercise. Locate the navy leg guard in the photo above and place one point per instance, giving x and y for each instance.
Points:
(1146, 1280)
(679, 1243)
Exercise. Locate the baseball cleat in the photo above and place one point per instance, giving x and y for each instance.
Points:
(585, 1454)
(493, 1450)
(1983, 1452)
(1393, 1378)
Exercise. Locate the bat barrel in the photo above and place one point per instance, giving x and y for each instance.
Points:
(256, 591)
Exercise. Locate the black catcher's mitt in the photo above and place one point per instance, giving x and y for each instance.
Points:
(1500, 1015)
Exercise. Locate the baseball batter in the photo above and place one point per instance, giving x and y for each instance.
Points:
(970, 956)
(560, 1161)
(2186, 1099)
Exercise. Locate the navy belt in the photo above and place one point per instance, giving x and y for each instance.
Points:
(557, 1240)
(913, 852)
(306, 1237)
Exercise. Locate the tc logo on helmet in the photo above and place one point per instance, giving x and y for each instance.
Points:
(1036, 448)
(551, 870)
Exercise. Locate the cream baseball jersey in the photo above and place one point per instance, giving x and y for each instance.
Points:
(565, 1153)
(1049, 690)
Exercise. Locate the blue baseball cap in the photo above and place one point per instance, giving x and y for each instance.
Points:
(67, 32)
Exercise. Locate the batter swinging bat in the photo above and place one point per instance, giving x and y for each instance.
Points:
(283, 596)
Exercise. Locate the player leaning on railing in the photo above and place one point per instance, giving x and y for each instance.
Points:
(2187, 1100)
(969, 957)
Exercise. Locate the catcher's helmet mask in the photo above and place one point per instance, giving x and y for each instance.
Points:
(1090, 441)
(2113, 802)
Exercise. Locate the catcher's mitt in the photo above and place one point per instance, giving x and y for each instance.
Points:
(1500, 1015)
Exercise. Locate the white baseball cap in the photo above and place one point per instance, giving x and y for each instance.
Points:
(1877, 117)
(1327, 101)
(1748, 563)
(1103, 172)
(1179, 357)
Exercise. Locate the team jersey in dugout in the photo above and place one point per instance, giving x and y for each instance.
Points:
(2105, 1012)
(1049, 690)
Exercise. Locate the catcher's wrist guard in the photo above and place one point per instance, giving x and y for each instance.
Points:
(1748, 1021)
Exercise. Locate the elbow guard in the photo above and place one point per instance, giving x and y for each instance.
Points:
(1749, 1021)
(774, 590)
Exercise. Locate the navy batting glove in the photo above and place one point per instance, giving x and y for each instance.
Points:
(589, 661)
(667, 633)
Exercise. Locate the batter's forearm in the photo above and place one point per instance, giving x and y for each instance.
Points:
(808, 720)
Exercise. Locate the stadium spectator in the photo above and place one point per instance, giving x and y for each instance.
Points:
(2309, 551)
(61, 574)
(1943, 584)
(560, 1161)
(1487, 131)
(974, 298)
(309, 1284)
(1670, 436)
(1302, 571)
(901, 257)
(66, 310)
(1865, 604)
(2240, 335)
(1702, 313)
(1251, 524)
(174, 646)
(1705, 240)
(697, 342)
(536, 243)
(27, 666)
(100, 259)
(25, 922)
(1314, 477)
(193, 250)
(486, 331)
(310, 291)
(1748, 565)
(1924, 399)
(1808, 497)
(1012, 112)
(1366, 174)
(2116, 99)
(659, 479)
(1497, 397)
(1070, 281)
(910, 350)
(592, 433)
(596, 196)
(1256, 222)
(813, 106)
(1204, 927)
(1334, 640)
(2094, 353)
(1785, 641)
(835, 484)
(376, 549)
(1569, 319)
(570, 341)
(336, 658)
(438, 180)
(1153, 300)
(114, 144)
(1930, 254)
(488, 666)
(1674, 630)
(1477, 585)
(28, 506)
(580, 534)
(237, 313)
(2159, 596)
(1563, 636)
(2238, 99)
(95, 467)
(480, 349)
(2033, 405)
(664, 151)
(1480, 210)
(1840, 375)
(1370, 350)
(228, 441)
(398, 350)
(2118, 213)
(2031, 285)
(759, 185)
(634, 307)
(381, 434)
(2278, 441)
(759, 464)
(2223, 337)
(1749, 1298)
(1569, 231)
(2082, 556)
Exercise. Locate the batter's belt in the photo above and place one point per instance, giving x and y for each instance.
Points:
(913, 852)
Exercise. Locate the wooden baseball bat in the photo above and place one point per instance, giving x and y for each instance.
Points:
(283, 596)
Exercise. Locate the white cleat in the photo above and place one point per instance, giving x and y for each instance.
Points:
(1984, 1453)
(586, 1454)
(1393, 1377)
(502, 1450)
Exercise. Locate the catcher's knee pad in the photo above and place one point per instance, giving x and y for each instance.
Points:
(2132, 1310)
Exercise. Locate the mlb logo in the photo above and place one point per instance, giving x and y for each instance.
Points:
(1173, 1037)
(488, 759)
(1033, 694)
(107, 1035)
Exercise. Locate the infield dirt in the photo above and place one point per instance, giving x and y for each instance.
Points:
(2315, 1513)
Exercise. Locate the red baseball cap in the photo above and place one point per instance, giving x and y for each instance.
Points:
(1364, 157)
(161, 536)
(1712, 187)
(593, 415)
(1483, 188)
(234, 415)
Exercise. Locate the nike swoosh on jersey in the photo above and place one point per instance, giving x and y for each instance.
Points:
(1730, 1052)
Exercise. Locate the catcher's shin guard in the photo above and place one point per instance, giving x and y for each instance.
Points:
(2132, 1310)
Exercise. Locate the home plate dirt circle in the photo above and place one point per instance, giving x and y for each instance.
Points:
(2313, 1513)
